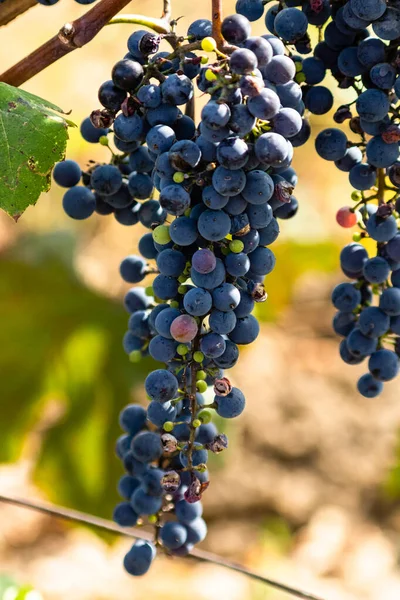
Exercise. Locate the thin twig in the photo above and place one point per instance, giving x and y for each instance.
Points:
(216, 23)
(166, 13)
(381, 186)
(132, 532)
(190, 108)
(158, 25)
(71, 36)
(10, 9)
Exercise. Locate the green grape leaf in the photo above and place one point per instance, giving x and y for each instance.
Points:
(33, 137)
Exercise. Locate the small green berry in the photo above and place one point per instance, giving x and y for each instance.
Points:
(198, 356)
(208, 44)
(182, 278)
(205, 416)
(182, 350)
(201, 375)
(152, 519)
(236, 246)
(161, 234)
(103, 140)
(182, 289)
(201, 386)
(204, 60)
(210, 76)
(174, 304)
(168, 426)
(196, 423)
(300, 78)
(149, 290)
(357, 236)
(178, 177)
(135, 356)
(356, 196)
(225, 251)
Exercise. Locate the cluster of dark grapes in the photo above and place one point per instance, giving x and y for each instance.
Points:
(211, 196)
(369, 307)
(359, 45)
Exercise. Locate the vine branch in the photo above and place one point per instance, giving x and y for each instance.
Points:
(71, 36)
(216, 23)
(133, 532)
(10, 9)
(381, 186)
(166, 13)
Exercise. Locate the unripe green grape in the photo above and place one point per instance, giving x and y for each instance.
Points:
(201, 375)
(149, 290)
(205, 416)
(236, 246)
(208, 44)
(168, 426)
(182, 350)
(300, 78)
(152, 519)
(201, 386)
(135, 356)
(210, 76)
(198, 356)
(178, 177)
(196, 423)
(161, 234)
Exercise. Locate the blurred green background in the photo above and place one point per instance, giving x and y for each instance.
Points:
(314, 469)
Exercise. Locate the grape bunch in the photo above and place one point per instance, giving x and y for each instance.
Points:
(369, 307)
(359, 45)
(141, 102)
(212, 197)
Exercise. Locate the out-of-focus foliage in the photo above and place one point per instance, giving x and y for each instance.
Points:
(63, 370)
(293, 261)
(11, 590)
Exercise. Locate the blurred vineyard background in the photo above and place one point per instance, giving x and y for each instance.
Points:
(309, 489)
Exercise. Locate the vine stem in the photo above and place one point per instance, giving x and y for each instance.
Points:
(70, 37)
(216, 23)
(133, 532)
(166, 13)
(10, 9)
(158, 25)
(381, 186)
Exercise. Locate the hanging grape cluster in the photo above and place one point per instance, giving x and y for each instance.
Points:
(212, 196)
